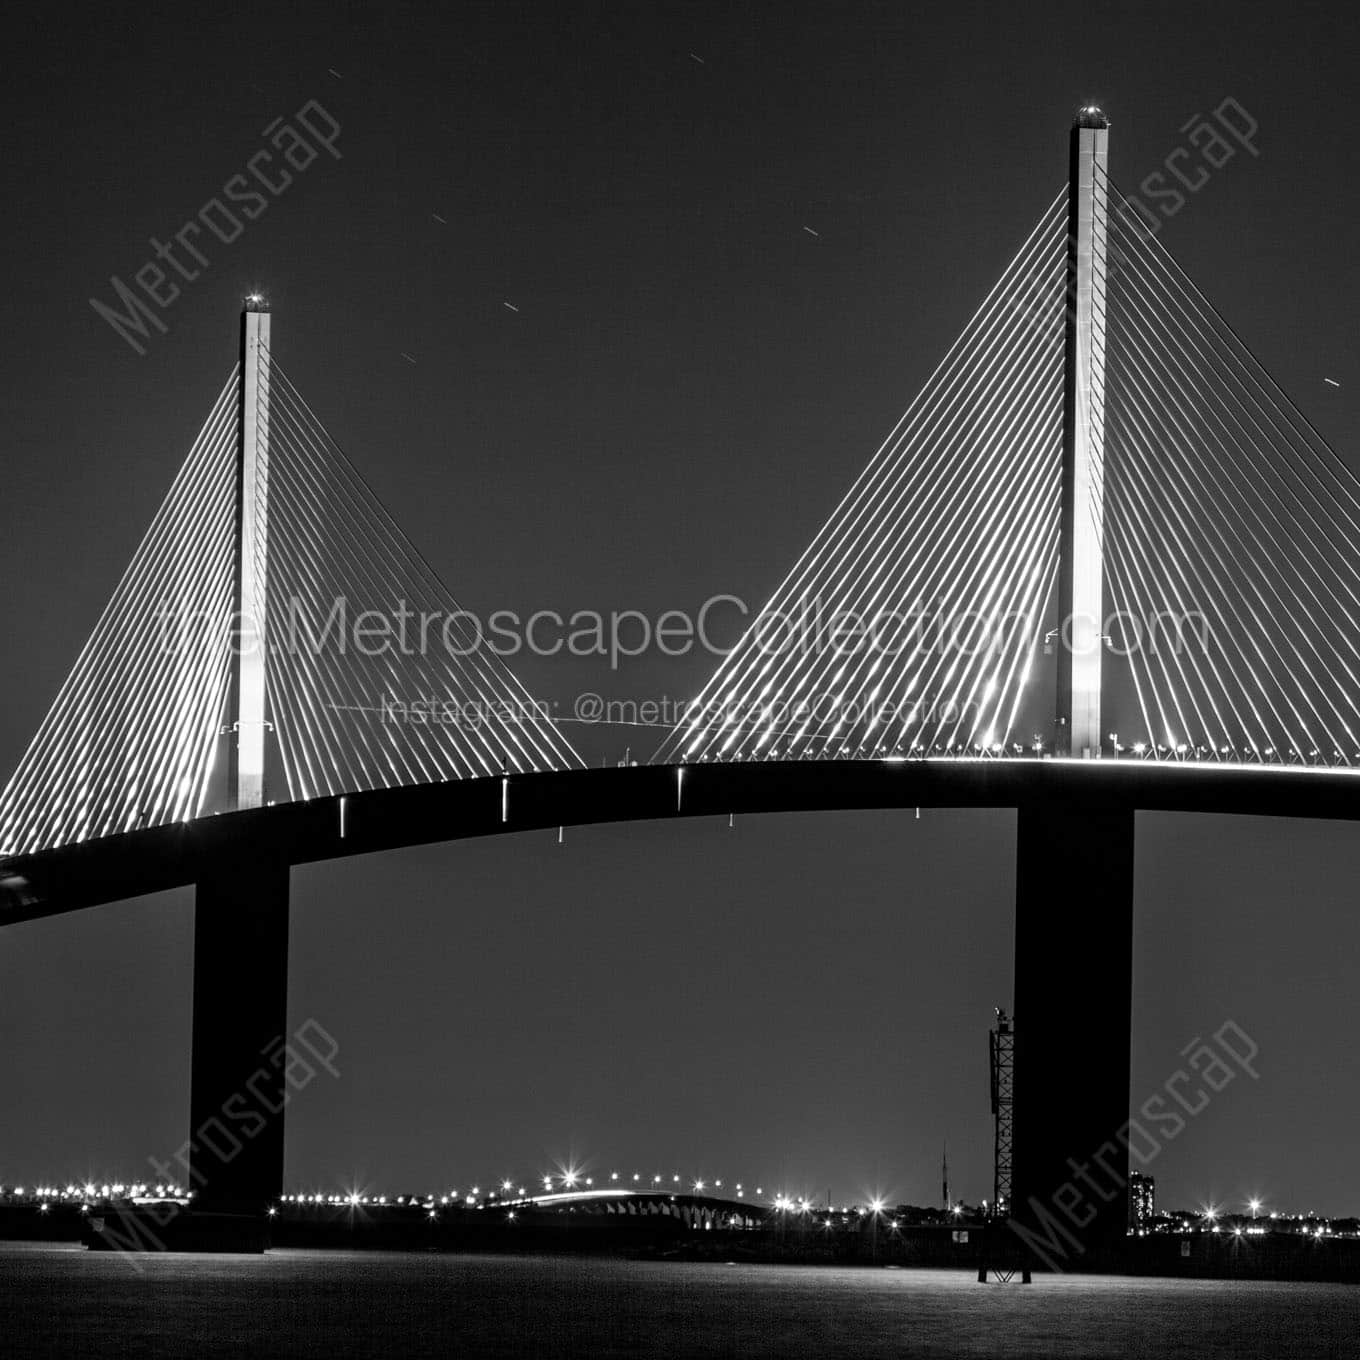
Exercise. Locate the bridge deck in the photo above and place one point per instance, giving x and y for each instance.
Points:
(50, 882)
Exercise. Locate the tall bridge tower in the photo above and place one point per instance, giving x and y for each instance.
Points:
(1072, 1027)
(1081, 547)
(246, 709)
(241, 915)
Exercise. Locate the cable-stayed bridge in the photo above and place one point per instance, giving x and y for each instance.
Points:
(1102, 563)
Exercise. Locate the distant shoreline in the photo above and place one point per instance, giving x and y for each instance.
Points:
(1199, 1256)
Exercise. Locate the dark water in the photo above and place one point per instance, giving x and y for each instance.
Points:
(60, 1301)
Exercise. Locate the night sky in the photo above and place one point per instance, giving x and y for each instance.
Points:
(688, 384)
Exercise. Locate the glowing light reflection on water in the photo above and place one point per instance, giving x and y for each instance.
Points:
(305, 1303)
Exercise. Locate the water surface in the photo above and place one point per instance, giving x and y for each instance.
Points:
(64, 1301)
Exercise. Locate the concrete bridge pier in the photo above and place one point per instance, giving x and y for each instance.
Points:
(1073, 1031)
(240, 1016)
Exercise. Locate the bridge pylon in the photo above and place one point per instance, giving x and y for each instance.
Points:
(1073, 1030)
(246, 711)
(1082, 532)
(1074, 862)
(239, 1052)
(241, 916)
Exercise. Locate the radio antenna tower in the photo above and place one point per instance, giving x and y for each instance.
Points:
(1001, 1045)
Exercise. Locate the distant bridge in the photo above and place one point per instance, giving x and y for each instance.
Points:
(693, 1210)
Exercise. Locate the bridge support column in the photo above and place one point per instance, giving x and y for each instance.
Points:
(1073, 1028)
(240, 1020)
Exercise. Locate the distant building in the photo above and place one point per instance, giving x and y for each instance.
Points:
(1142, 1201)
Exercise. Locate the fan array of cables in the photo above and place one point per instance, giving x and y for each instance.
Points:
(131, 739)
(910, 623)
(909, 626)
(376, 676)
(1229, 532)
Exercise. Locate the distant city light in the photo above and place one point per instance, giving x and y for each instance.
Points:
(801, 1212)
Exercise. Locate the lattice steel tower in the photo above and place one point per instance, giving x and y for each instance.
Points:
(1001, 1048)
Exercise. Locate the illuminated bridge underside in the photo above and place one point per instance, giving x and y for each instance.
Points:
(51, 882)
